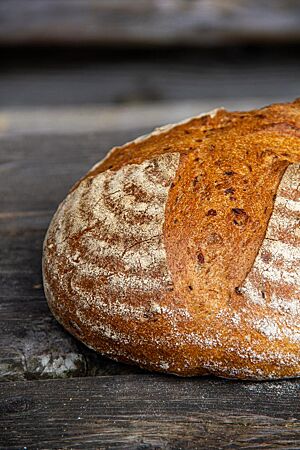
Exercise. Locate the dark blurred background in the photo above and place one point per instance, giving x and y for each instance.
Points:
(90, 65)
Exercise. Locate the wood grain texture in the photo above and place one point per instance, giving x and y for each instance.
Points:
(147, 21)
(74, 120)
(149, 412)
(37, 171)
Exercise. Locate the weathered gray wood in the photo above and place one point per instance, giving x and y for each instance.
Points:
(161, 76)
(147, 21)
(111, 118)
(37, 171)
(34, 346)
(150, 412)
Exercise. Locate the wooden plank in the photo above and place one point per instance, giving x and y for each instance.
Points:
(150, 412)
(37, 171)
(109, 118)
(152, 22)
(125, 79)
(35, 346)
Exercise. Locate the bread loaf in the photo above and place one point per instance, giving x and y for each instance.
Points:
(180, 251)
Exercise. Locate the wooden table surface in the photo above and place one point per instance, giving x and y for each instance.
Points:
(54, 392)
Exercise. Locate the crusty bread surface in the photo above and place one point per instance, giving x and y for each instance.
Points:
(180, 251)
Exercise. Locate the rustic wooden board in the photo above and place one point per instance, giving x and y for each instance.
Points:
(150, 412)
(38, 170)
(81, 119)
(152, 22)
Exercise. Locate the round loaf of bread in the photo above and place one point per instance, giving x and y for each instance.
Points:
(180, 251)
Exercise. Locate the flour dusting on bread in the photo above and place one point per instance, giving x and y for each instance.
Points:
(116, 222)
(274, 280)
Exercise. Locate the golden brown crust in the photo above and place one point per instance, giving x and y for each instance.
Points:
(170, 293)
